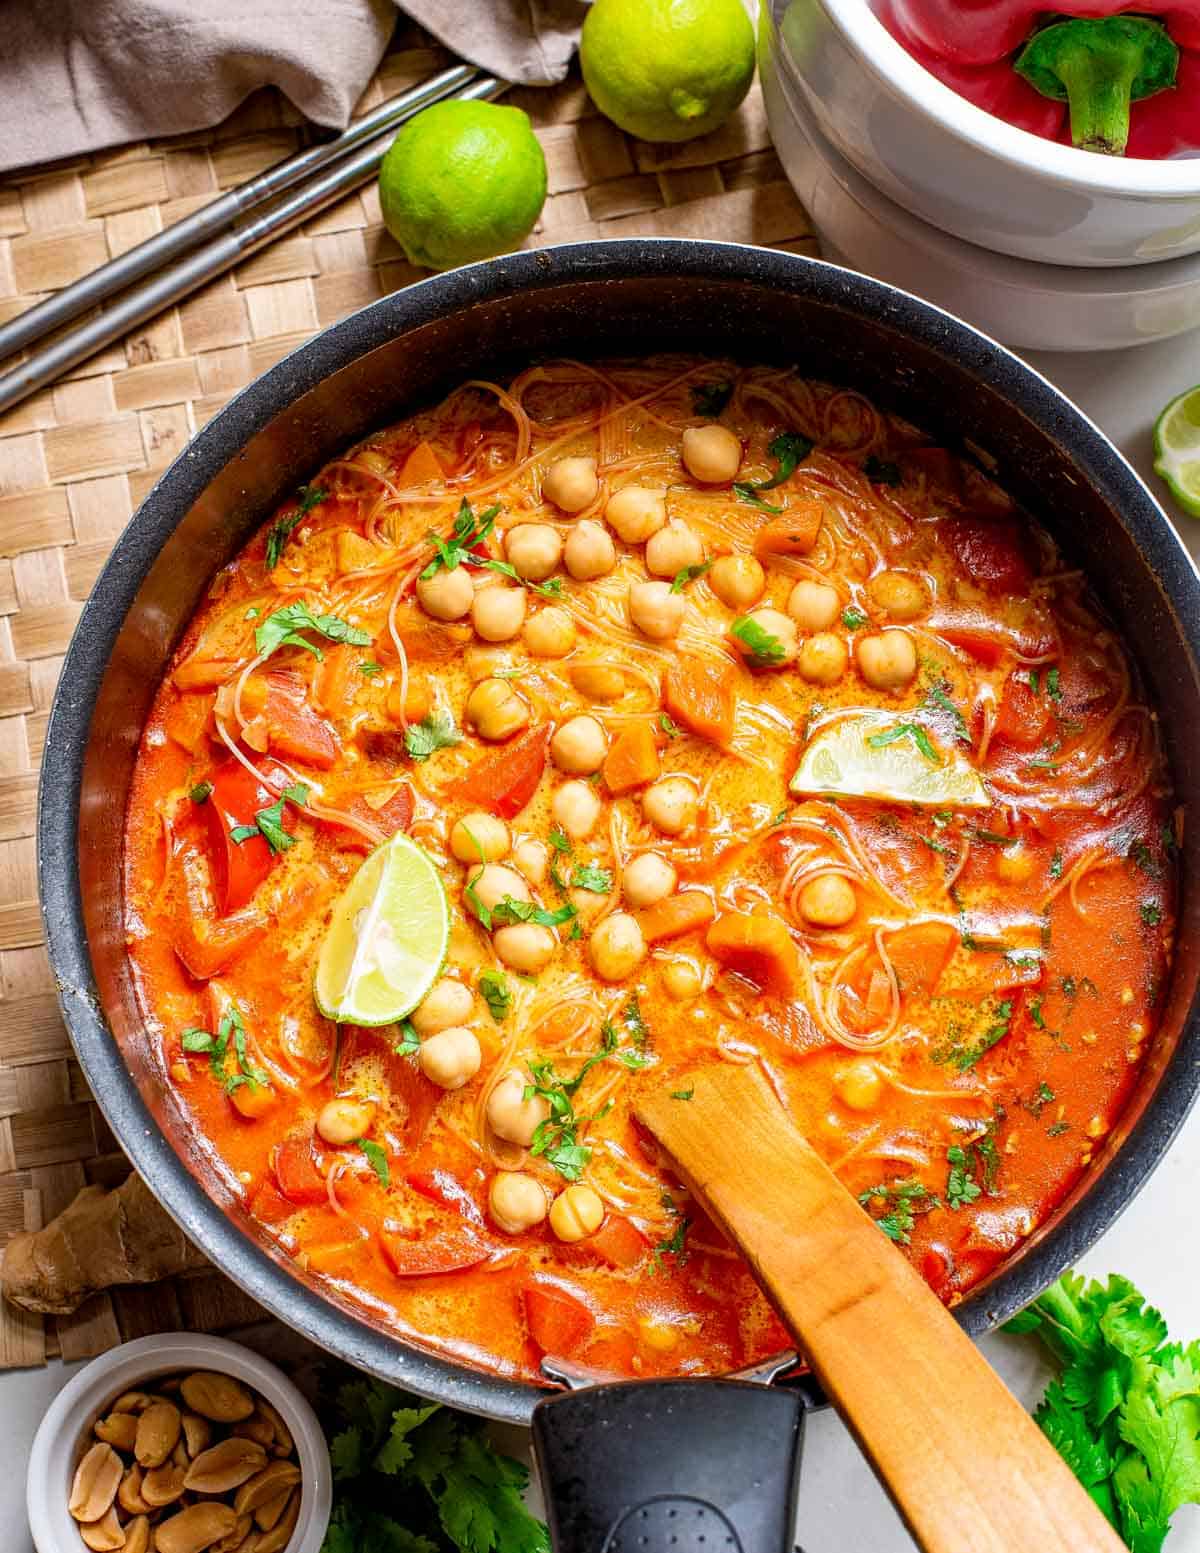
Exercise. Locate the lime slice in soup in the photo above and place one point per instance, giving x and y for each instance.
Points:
(889, 757)
(1177, 449)
(386, 940)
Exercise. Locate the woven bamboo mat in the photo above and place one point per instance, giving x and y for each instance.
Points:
(76, 460)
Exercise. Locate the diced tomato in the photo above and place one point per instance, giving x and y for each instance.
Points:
(296, 1171)
(238, 867)
(294, 728)
(505, 781)
(1023, 718)
(450, 1250)
(618, 1242)
(991, 551)
(269, 1205)
(558, 1322)
(440, 1186)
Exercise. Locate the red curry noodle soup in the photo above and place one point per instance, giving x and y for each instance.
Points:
(742, 724)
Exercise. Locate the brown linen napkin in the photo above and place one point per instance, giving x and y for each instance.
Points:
(79, 75)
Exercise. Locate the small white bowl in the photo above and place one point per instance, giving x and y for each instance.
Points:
(1029, 306)
(964, 170)
(63, 1434)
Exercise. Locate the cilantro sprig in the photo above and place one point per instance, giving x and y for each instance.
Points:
(556, 1140)
(307, 497)
(913, 731)
(468, 532)
(765, 650)
(711, 398)
(687, 574)
(1123, 1410)
(287, 627)
(268, 822)
(436, 731)
(894, 1206)
(496, 992)
(413, 1477)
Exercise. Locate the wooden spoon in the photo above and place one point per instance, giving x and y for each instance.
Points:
(965, 1464)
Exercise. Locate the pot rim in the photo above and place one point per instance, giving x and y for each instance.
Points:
(348, 1336)
(1043, 161)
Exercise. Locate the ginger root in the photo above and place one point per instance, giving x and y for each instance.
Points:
(102, 1239)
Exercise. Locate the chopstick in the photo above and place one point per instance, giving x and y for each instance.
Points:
(311, 191)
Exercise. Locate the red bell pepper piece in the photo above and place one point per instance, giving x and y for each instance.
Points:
(450, 1250)
(295, 730)
(238, 867)
(558, 1322)
(296, 1172)
(991, 551)
(440, 1186)
(618, 1242)
(395, 815)
(1023, 717)
(505, 781)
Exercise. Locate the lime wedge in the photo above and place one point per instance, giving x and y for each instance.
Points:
(1177, 450)
(887, 756)
(387, 938)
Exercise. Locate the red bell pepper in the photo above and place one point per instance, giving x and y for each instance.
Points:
(238, 867)
(980, 48)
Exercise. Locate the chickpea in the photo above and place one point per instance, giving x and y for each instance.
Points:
(711, 454)
(682, 979)
(344, 1119)
(577, 1212)
(579, 746)
(571, 483)
(617, 947)
(647, 879)
(828, 901)
(1015, 865)
(672, 549)
(899, 595)
(510, 1115)
(495, 710)
(532, 859)
(516, 1201)
(447, 595)
(550, 633)
(887, 661)
(533, 550)
(670, 804)
(777, 625)
(655, 610)
(451, 1058)
(525, 947)
(737, 580)
(446, 1003)
(479, 838)
(636, 512)
(823, 659)
(589, 551)
(253, 1100)
(858, 1085)
(576, 807)
(598, 682)
(814, 606)
(498, 613)
(491, 883)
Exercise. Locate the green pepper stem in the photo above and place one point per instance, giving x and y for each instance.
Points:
(1101, 66)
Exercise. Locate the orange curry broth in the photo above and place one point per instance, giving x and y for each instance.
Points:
(996, 984)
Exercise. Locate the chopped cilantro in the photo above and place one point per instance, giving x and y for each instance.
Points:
(688, 574)
(668, 725)
(711, 398)
(1151, 913)
(1053, 685)
(961, 1188)
(307, 497)
(409, 1043)
(437, 731)
(286, 626)
(268, 822)
(467, 533)
(899, 1203)
(674, 1245)
(963, 1054)
(201, 792)
(216, 1047)
(1056, 864)
(912, 731)
(587, 876)
(881, 471)
(560, 841)
(496, 993)
(1035, 1012)
(1042, 1096)
(556, 1139)
(369, 669)
(550, 589)
(1056, 1129)
(853, 618)
(765, 650)
(683, 1094)
(377, 1159)
(937, 699)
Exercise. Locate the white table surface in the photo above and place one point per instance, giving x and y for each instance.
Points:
(841, 1505)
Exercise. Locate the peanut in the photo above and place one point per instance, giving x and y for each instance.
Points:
(129, 1495)
(97, 1478)
(105, 1535)
(132, 1402)
(275, 1540)
(236, 1537)
(225, 1466)
(157, 1433)
(267, 1514)
(194, 1529)
(138, 1535)
(197, 1433)
(256, 1427)
(118, 1430)
(162, 1485)
(284, 1444)
(275, 1481)
(219, 1397)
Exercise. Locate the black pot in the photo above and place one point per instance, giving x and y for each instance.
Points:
(606, 298)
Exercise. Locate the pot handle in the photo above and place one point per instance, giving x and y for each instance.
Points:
(670, 1466)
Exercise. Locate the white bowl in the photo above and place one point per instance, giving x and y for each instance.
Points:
(63, 1434)
(1026, 305)
(970, 173)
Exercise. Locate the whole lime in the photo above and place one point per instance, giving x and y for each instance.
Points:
(462, 181)
(667, 69)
